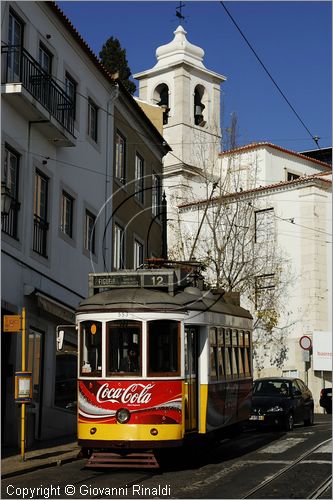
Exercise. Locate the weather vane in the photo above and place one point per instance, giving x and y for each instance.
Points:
(179, 12)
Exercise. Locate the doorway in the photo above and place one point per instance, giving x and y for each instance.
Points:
(191, 378)
(35, 366)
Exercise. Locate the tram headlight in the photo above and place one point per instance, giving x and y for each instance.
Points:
(123, 415)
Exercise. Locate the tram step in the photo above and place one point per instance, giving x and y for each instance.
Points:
(130, 460)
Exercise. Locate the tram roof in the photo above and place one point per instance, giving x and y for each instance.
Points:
(141, 299)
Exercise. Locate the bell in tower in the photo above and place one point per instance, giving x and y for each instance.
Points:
(198, 109)
(163, 92)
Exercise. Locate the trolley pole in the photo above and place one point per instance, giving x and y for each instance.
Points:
(23, 404)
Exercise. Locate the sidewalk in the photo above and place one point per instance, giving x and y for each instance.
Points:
(47, 454)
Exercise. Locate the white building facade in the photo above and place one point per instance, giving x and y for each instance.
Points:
(290, 196)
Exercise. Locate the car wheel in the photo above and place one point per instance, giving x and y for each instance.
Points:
(329, 411)
(288, 422)
(310, 420)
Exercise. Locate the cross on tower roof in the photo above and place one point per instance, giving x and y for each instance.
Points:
(179, 12)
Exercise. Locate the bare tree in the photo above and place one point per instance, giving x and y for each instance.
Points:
(239, 250)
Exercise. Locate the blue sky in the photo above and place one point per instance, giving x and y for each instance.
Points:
(292, 38)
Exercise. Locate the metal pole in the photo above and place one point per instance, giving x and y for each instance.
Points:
(202, 220)
(23, 404)
(164, 228)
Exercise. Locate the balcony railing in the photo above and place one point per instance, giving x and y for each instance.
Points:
(9, 221)
(40, 236)
(20, 67)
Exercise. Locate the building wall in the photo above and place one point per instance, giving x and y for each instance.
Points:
(302, 220)
(264, 165)
(305, 245)
(50, 287)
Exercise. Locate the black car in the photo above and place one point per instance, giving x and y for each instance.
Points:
(325, 400)
(281, 401)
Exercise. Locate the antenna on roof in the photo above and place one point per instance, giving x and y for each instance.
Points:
(179, 12)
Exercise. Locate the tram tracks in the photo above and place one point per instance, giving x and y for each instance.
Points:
(316, 493)
(322, 488)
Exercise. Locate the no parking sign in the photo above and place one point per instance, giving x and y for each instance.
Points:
(305, 342)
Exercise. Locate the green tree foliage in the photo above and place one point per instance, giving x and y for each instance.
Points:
(114, 59)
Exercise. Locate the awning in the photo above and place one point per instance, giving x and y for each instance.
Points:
(56, 308)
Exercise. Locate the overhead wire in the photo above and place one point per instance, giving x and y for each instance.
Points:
(314, 138)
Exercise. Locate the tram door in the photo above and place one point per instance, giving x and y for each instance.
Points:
(191, 378)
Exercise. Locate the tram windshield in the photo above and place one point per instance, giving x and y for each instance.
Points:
(163, 348)
(127, 351)
(123, 344)
(91, 348)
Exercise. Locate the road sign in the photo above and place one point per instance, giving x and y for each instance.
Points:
(12, 323)
(305, 343)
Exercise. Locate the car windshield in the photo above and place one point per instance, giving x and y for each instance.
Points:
(271, 388)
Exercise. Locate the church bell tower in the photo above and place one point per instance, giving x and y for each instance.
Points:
(190, 97)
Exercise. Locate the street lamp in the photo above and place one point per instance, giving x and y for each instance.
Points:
(6, 199)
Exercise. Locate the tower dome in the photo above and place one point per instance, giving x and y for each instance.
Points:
(179, 50)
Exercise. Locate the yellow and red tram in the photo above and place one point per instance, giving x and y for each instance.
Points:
(159, 359)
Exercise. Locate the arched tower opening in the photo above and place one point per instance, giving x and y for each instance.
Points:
(200, 105)
(161, 98)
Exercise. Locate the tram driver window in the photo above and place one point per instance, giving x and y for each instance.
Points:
(91, 348)
(163, 348)
(124, 347)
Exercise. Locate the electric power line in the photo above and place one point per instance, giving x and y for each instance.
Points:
(314, 138)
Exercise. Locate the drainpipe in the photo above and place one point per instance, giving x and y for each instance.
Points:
(164, 228)
(108, 199)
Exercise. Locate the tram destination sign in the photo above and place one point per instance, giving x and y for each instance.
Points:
(116, 281)
(143, 279)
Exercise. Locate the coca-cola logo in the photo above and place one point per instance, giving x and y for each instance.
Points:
(133, 394)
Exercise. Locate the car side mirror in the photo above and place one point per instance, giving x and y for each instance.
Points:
(296, 392)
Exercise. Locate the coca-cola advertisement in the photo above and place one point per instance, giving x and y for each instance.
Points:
(149, 401)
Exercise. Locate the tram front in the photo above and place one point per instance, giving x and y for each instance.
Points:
(130, 385)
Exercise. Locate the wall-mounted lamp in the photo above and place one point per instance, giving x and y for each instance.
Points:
(44, 162)
(6, 199)
(48, 36)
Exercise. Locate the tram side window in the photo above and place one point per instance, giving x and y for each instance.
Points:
(227, 353)
(163, 348)
(123, 344)
(190, 352)
(234, 353)
(247, 354)
(91, 348)
(213, 354)
(240, 355)
(220, 354)
(217, 354)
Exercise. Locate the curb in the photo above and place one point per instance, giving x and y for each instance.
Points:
(33, 468)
